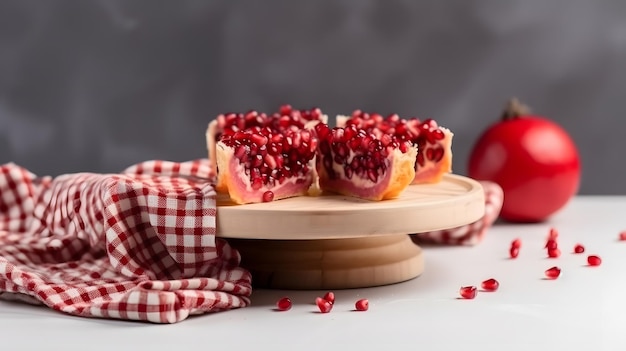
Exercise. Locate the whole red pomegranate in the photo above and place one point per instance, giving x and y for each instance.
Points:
(534, 161)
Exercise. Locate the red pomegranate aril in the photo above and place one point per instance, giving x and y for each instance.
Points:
(579, 248)
(517, 243)
(622, 236)
(468, 292)
(553, 272)
(362, 305)
(594, 260)
(284, 304)
(490, 285)
(330, 297)
(554, 253)
(551, 244)
(514, 252)
(323, 305)
(268, 196)
(553, 234)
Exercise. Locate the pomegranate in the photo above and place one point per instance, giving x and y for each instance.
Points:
(533, 159)
(554, 253)
(259, 165)
(362, 305)
(283, 304)
(579, 248)
(330, 297)
(594, 260)
(553, 272)
(323, 305)
(287, 118)
(517, 243)
(490, 284)
(514, 251)
(434, 143)
(468, 292)
(352, 162)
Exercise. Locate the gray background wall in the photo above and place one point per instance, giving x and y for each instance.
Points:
(89, 85)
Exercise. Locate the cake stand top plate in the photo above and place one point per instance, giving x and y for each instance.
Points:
(455, 201)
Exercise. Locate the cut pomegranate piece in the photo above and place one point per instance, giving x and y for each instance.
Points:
(330, 297)
(579, 248)
(285, 119)
(622, 236)
(355, 163)
(434, 143)
(362, 305)
(256, 161)
(283, 304)
(594, 260)
(553, 272)
(323, 305)
(516, 243)
(468, 292)
(554, 253)
(490, 285)
(513, 252)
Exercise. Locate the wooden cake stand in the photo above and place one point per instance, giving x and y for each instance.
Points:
(339, 242)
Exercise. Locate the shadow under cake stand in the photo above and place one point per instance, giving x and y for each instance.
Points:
(339, 242)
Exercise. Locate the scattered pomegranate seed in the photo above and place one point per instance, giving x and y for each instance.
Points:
(330, 297)
(554, 253)
(579, 248)
(594, 260)
(490, 285)
(268, 196)
(468, 292)
(553, 235)
(323, 305)
(517, 243)
(551, 244)
(622, 236)
(362, 305)
(553, 272)
(284, 304)
(513, 251)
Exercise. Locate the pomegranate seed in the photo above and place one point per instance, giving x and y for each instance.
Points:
(330, 297)
(468, 292)
(268, 196)
(284, 304)
(490, 285)
(551, 244)
(622, 236)
(554, 253)
(362, 305)
(554, 234)
(553, 272)
(323, 305)
(579, 248)
(594, 260)
(516, 243)
(513, 252)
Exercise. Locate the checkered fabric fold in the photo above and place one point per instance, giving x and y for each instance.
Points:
(139, 245)
(473, 233)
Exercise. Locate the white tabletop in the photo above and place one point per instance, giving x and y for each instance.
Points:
(585, 309)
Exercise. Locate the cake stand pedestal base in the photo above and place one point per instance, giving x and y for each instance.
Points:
(330, 263)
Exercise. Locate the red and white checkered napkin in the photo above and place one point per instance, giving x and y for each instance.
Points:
(139, 245)
(472, 233)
